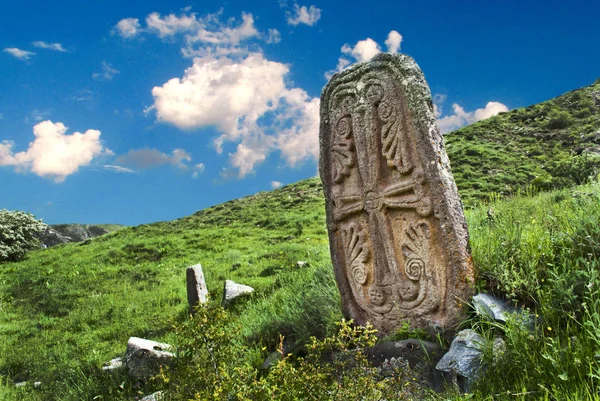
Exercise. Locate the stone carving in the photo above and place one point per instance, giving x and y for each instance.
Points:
(398, 237)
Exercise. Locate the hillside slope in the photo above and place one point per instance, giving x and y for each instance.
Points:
(552, 144)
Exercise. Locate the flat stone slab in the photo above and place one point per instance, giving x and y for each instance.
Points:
(233, 290)
(398, 237)
(197, 293)
(145, 357)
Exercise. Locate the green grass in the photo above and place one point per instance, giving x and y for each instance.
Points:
(549, 145)
(66, 310)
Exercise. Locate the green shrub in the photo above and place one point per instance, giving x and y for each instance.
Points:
(559, 119)
(18, 234)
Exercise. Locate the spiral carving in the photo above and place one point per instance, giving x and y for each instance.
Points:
(357, 252)
(414, 267)
(343, 149)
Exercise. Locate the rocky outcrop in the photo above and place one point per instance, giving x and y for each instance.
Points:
(145, 357)
(62, 233)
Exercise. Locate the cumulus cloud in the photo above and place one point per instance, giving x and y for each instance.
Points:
(147, 158)
(49, 46)
(127, 28)
(276, 184)
(108, 72)
(393, 41)
(459, 117)
(364, 50)
(236, 97)
(53, 154)
(202, 35)
(303, 15)
(18, 53)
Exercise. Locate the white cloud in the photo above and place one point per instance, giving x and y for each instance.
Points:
(237, 97)
(54, 154)
(364, 50)
(393, 41)
(147, 158)
(303, 15)
(273, 36)
(118, 169)
(198, 169)
(459, 117)
(18, 53)
(127, 28)
(438, 103)
(49, 46)
(171, 24)
(276, 184)
(108, 72)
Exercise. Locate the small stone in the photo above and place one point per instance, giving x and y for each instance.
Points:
(271, 360)
(37, 384)
(114, 364)
(197, 293)
(145, 357)
(20, 384)
(301, 263)
(499, 309)
(233, 291)
(153, 397)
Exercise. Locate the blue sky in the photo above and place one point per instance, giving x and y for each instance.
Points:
(135, 112)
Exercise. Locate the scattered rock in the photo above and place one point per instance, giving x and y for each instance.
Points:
(411, 350)
(114, 364)
(144, 357)
(153, 397)
(233, 291)
(464, 358)
(197, 293)
(498, 309)
(301, 263)
(20, 384)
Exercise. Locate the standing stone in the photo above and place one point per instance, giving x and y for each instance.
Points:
(197, 292)
(397, 233)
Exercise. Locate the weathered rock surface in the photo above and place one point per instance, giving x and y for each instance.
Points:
(114, 364)
(144, 357)
(464, 358)
(197, 293)
(153, 397)
(233, 291)
(62, 233)
(499, 309)
(398, 236)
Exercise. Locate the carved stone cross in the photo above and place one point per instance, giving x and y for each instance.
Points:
(398, 237)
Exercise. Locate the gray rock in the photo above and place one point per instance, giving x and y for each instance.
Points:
(145, 357)
(272, 360)
(233, 291)
(493, 307)
(153, 397)
(499, 309)
(301, 263)
(464, 359)
(114, 364)
(197, 293)
(20, 384)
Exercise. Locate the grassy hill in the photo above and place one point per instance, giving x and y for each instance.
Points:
(67, 310)
(548, 145)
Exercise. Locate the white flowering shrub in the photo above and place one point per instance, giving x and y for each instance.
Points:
(18, 234)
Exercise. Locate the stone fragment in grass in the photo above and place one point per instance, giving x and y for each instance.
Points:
(233, 291)
(301, 263)
(114, 364)
(145, 357)
(153, 397)
(499, 309)
(464, 357)
(197, 292)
